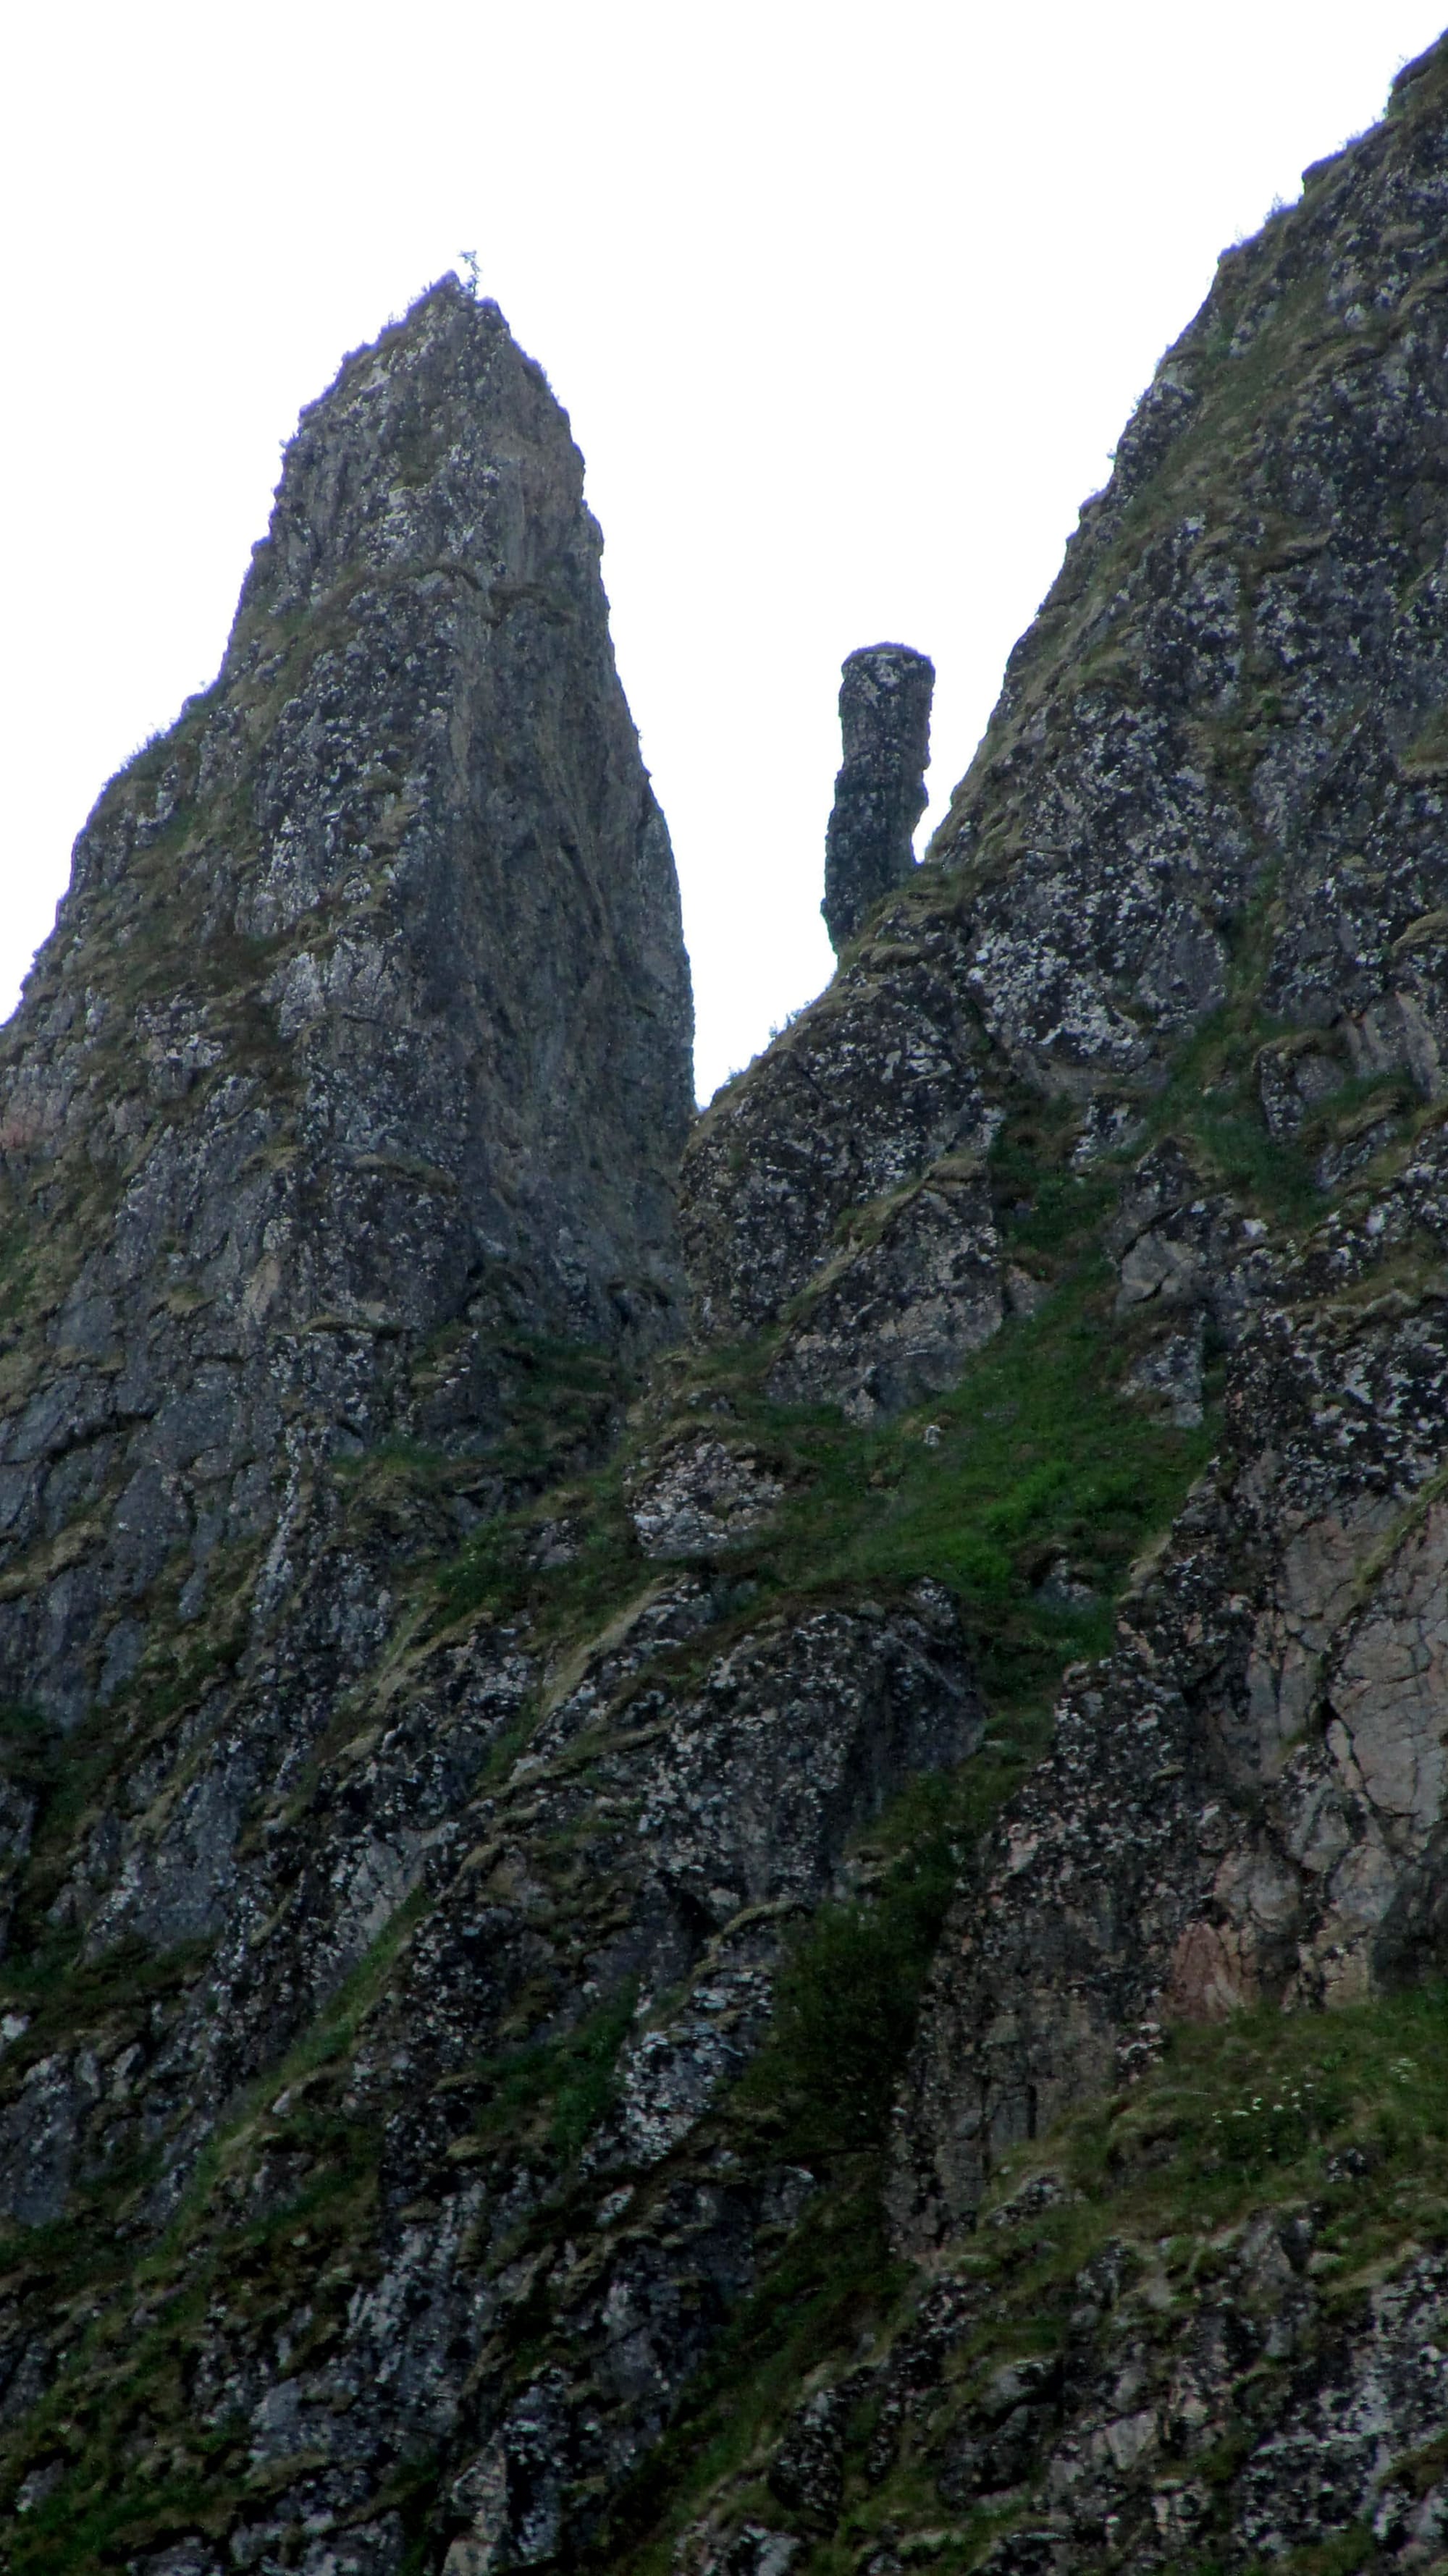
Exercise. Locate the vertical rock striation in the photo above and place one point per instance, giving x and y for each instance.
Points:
(363, 1038)
(885, 693)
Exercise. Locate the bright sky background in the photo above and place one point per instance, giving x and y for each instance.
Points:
(848, 304)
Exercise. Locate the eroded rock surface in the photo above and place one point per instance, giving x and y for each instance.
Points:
(885, 694)
(641, 1867)
(702, 1495)
(893, 1320)
(1249, 2423)
(462, 1957)
(1222, 727)
(1247, 1801)
(363, 1036)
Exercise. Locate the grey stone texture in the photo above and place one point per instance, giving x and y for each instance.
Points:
(699, 1497)
(399, 1960)
(1248, 1802)
(885, 694)
(340, 1126)
(1217, 768)
(656, 1842)
(1222, 730)
(366, 1022)
(1110, 2449)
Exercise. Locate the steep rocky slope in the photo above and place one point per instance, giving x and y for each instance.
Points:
(815, 1945)
(366, 1021)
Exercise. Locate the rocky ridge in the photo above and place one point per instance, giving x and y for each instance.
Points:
(828, 1957)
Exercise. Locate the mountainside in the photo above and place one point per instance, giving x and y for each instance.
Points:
(811, 1938)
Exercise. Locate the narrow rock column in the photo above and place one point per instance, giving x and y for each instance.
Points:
(885, 693)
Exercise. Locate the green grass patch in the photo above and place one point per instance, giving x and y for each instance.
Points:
(847, 1996)
(562, 1400)
(1033, 1456)
(571, 2081)
(63, 1992)
(140, 2470)
(1348, 2108)
(1343, 2116)
(30, 1749)
(17, 1269)
(1211, 1099)
(836, 2279)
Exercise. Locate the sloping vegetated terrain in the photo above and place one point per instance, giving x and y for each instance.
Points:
(1023, 1495)
(1133, 2329)
(791, 1922)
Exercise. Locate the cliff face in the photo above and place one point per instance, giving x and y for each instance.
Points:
(1223, 727)
(362, 1041)
(823, 1949)
(1183, 929)
(341, 1124)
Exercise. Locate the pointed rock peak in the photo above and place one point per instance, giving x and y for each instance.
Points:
(441, 443)
(364, 1030)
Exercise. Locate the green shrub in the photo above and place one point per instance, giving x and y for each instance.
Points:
(574, 2079)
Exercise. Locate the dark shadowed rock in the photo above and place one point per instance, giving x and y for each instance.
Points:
(885, 693)
(366, 1021)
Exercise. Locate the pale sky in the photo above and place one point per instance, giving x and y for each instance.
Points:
(848, 305)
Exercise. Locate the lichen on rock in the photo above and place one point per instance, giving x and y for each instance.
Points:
(885, 694)
(811, 1935)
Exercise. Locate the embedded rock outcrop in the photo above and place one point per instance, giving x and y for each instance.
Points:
(1271, 2417)
(1249, 1802)
(889, 1322)
(875, 1084)
(885, 694)
(700, 1497)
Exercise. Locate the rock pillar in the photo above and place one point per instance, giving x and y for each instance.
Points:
(885, 693)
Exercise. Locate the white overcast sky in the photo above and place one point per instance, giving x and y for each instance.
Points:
(848, 303)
